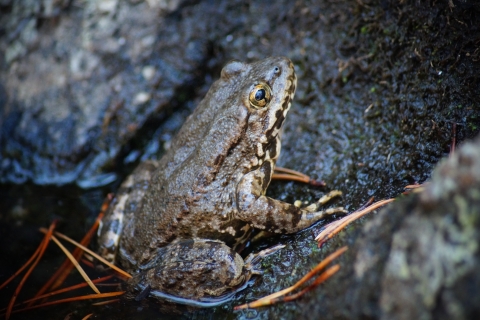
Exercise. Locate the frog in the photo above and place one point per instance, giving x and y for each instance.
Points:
(177, 223)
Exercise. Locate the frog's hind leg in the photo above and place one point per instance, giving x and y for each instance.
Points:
(194, 269)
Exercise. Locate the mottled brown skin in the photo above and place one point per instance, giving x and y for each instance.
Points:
(123, 207)
(193, 269)
(211, 183)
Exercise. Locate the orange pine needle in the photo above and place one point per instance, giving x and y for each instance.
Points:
(71, 288)
(275, 297)
(34, 255)
(79, 298)
(87, 316)
(77, 253)
(77, 265)
(61, 274)
(44, 244)
(68, 289)
(335, 227)
(289, 177)
(309, 275)
(321, 278)
(105, 302)
(88, 263)
(293, 175)
(290, 171)
(367, 204)
(64, 237)
(413, 186)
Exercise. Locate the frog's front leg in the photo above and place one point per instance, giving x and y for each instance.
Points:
(272, 215)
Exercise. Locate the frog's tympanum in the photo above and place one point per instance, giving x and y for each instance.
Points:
(175, 223)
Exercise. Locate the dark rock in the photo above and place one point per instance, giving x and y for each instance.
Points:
(79, 81)
(431, 268)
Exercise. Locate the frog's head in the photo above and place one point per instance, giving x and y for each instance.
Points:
(268, 87)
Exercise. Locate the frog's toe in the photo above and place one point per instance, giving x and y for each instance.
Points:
(257, 272)
(329, 196)
(253, 259)
(308, 216)
(321, 202)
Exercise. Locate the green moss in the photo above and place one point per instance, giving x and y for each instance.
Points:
(472, 126)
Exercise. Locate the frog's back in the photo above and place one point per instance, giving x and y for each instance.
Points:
(218, 103)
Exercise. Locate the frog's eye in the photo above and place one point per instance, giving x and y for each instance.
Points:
(260, 96)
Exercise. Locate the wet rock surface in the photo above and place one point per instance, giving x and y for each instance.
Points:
(418, 258)
(383, 89)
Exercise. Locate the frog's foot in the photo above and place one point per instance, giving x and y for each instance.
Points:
(311, 211)
(253, 259)
(276, 216)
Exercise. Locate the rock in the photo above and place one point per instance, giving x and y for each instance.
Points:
(73, 90)
(432, 268)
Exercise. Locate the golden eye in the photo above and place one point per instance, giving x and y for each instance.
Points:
(260, 96)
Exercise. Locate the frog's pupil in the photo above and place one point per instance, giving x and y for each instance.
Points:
(260, 95)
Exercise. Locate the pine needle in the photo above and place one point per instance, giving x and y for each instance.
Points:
(76, 264)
